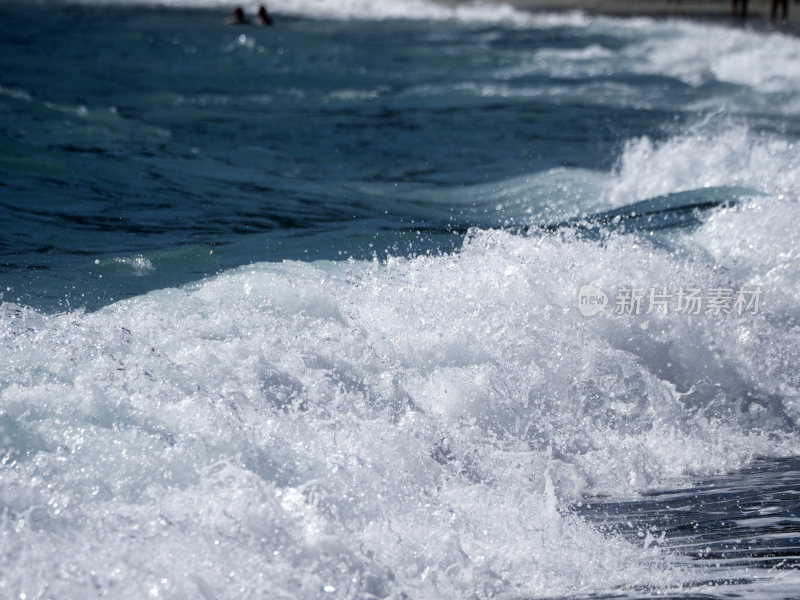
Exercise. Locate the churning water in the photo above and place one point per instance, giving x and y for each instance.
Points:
(293, 312)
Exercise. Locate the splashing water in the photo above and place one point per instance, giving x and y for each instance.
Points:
(288, 376)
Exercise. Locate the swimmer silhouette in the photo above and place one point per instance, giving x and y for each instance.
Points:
(774, 12)
(263, 17)
(737, 14)
(238, 18)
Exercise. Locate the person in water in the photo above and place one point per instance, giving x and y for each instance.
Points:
(263, 17)
(737, 14)
(238, 18)
(784, 10)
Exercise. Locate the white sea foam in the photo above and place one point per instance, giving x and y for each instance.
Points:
(306, 428)
(710, 153)
(418, 426)
(482, 12)
(693, 53)
(697, 53)
(303, 429)
(756, 242)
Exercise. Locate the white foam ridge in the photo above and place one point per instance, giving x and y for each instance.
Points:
(712, 152)
(755, 242)
(482, 12)
(304, 429)
(696, 54)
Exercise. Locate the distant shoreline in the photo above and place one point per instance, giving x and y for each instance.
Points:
(718, 11)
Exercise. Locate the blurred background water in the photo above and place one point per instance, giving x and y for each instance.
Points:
(146, 139)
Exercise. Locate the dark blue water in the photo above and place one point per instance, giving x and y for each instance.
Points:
(163, 133)
(744, 519)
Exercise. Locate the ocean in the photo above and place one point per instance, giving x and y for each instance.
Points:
(396, 300)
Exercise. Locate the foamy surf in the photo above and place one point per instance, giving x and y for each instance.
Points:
(477, 12)
(510, 380)
(322, 422)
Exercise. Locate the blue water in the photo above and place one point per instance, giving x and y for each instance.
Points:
(292, 312)
(160, 133)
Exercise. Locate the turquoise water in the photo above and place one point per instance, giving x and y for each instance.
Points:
(294, 312)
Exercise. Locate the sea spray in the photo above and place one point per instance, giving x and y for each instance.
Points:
(320, 422)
